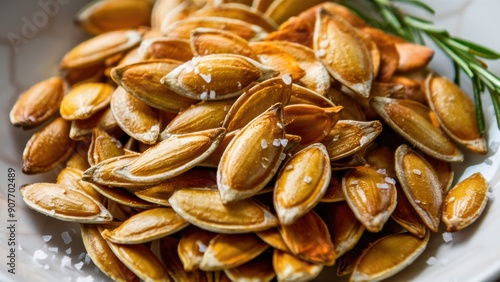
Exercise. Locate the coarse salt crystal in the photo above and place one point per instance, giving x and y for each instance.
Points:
(382, 185)
(488, 161)
(85, 279)
(494, 146)
(323, 44)
(39, 254)
(81, 255)
(390, 180)
(46, 266)
(87, 259)
(354, 182)
(451, 200)
(201, 247)
(68, 251)
(284, 142)
(321, 53)
(432, 261)
(489, 195)
(212, 94)
(289, 167)
(52, 212)
(287, 79)
(282, 156)
(417, 171)
(263, 143)
(66, 262)
(276, 143)
(204, 95)
(66, 237)
(53, 249)
(79, 265)
(307, 179)
(336, 138)
(279, 125)
(381, 171)
(46, 238)
(447, 237)
(417, 201)
(206, 77)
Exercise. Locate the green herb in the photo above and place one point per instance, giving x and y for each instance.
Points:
(466, 55)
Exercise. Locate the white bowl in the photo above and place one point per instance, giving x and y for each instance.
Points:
(34, 38)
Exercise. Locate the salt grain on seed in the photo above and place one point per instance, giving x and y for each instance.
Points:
(417, 201)
(66, 237)
(276, 143)
(447, 237)
(289, 167)
(78, 265)
(279, 125)
(201, 247)
(212, 94)
(381, 171)
(46, 238)
(206, 77)
(307, 179)
(287, 79)
(323, 44)
(263, 143)
(354, 182)
(417, 172)
(321, 53)
(336, 138)
(52, 212)
(432, 261)
(39, 254)
(204, 95)
(382, 185)
(284, 142)
(390, 180)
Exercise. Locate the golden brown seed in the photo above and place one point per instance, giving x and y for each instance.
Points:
(122, 197)
(387, 256)
(407, 217)
(352, 108)
(102, 256)
(349, 137)
(353, 66)
(301, 183)
(136, 118)
(206, 41)
(142, 80)
(273, 238)
(465, 202)
(59, 202)
(308, 238)
(204, 208)
(192, 245)
(256, 101)
(102, 16)
(183, 28)
(160, 162)
(71, 178)
(303, 95)
(311, 123)
(456, 112)
(276, 57)
(281, 10)
(97, 49)
(48, 147)
(389, 56)
(420, 185)
(412, 56)
(103, 146)
(231, 250)
(168, 252)
(253, 156)
(371, 194)
(165, 48)
(240, 12)
(344, 227)
(84, 100)
(81, 129)
(201, 116)
(146, 226)
(38, 103)
(291, 268)
(216, 77)
(334, 190)
(411, 120)
(258, 269)
(141, 260)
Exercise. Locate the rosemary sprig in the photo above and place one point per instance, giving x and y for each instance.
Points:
(466, 55)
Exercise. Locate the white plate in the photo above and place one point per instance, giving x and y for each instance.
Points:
(47, 33)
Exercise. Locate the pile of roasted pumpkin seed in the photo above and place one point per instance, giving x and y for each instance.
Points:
(248, 140)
